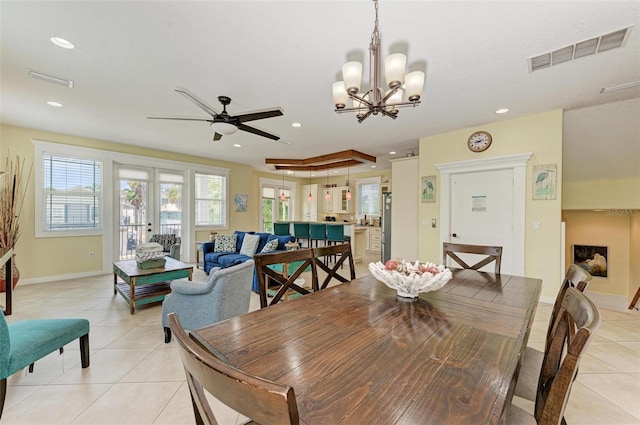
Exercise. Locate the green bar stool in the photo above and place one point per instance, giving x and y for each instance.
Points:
(317, 233)
(282, 229)
(301, 232)
(335, 234)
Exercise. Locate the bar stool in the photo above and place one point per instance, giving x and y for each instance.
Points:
(301, 232)
(335, 234)
(282, 229)
(317, 233)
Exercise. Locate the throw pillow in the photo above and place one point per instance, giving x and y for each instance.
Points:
(225, 243)
(270, 246)
(249, 245)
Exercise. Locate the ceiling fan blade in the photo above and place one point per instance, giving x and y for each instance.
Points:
(197, 101)
(258, 132)
(217, 136)
(181, 118)
(259, 115)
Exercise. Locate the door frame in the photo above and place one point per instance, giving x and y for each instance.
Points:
(516, 162)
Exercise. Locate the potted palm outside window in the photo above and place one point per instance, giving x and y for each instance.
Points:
(12, 193)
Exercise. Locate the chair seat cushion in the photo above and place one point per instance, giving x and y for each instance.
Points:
(527, 385)
(33, 339)
(518, 416)
(232, 259)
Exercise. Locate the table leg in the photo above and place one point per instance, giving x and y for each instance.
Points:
(132, 295)
(115, 283)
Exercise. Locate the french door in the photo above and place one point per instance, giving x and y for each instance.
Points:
(150, 201)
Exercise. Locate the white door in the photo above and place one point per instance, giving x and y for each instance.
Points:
(482, 213)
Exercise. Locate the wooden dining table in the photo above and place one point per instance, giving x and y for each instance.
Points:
(356, 353)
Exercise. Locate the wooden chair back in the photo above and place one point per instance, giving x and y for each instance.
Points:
(264, 401)
(576, 277)
(571, 332)
(300, 260)
(343, 253)
(493, 253)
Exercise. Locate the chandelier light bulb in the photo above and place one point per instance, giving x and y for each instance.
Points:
(340, 95)
(327, 196)
(352, 75)
(283, 197)
(394, 66)
(348, 195)
(310, 198)
(414, 84)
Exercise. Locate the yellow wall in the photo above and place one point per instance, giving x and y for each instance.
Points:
(601, 228)
(613, 194)
(44, 257)
(540, 134)
(634, 256)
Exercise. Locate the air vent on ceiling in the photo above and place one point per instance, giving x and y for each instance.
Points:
(598, 44)
(50, 79)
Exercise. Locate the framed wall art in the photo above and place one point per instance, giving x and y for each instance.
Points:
(544, 181)
(428, 189)
(241, 201)
(594, 259)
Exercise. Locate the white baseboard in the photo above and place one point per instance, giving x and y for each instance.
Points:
(62, 277)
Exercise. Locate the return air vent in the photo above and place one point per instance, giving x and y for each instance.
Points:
(581, 49)
(50, 79)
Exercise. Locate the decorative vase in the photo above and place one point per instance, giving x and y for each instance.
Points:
(15, 275)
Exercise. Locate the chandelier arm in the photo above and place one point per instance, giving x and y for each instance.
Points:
(391, 93)
(361, 99)
(365, 116)
(383, 111)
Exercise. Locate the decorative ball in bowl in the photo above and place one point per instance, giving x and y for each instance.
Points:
(410, 279)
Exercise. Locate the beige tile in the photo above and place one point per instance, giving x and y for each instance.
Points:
(179, 410)
(107, 366)
(585, 407)
(139, 337)
(616, 355)
(16, 394)
(620, 389)
(163, 364)
(129, 403)
(54, 404)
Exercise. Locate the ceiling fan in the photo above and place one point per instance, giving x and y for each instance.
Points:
(223, 123)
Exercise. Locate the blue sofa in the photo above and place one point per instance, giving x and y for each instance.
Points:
(226, 259)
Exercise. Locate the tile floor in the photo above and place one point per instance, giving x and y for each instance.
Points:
(135, 378)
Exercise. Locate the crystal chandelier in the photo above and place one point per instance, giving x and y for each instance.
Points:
(378, 100)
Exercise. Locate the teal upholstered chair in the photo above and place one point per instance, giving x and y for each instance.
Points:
(281, 229)
(301, 232)
(25, 341)
(317, 233)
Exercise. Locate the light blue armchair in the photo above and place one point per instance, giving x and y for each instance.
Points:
(225, 294)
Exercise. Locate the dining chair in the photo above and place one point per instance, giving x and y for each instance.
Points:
(301, 233)
(281, 229)
(293, 264)
(265, 402)
(493, 253)
(317, 233)
(576, 277)
(343, 251)
(571, 333)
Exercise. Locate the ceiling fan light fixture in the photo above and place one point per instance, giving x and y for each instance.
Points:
(224, 128)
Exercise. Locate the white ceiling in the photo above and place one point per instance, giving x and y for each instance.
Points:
(130, 56)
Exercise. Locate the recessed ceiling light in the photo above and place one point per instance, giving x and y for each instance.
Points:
(373, 166)
(236, 145)
(296, 125)
(502, 111)
(392, 153)
(61, 42)
(313, 175)
(335, 171)
(289, 173)
(56, 104)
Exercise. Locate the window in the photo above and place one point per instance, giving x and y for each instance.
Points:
(273, 207)
(72, 194)
(368, 196)
(210, 200)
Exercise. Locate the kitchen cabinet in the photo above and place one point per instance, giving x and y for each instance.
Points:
(375, 240)
(337, 202)
(310, 209)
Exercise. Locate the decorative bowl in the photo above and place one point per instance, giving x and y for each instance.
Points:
(410, 279)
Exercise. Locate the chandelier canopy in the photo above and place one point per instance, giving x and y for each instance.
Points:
(378, 100)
